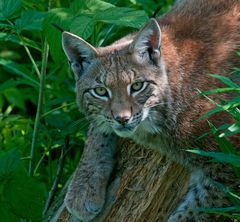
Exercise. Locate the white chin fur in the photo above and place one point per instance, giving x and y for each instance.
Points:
(145, 113)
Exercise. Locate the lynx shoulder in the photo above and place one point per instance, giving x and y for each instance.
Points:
(144, 87)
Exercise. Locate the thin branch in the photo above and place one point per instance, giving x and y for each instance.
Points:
(53, 190)
(39, 107)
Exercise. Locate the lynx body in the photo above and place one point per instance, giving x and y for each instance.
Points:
(144, 87)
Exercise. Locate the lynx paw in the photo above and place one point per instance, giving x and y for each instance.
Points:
(86, 202)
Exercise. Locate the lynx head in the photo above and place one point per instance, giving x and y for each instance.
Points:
(122, 87)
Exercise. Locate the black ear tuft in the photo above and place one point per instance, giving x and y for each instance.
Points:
(79, 52)
(147, 43)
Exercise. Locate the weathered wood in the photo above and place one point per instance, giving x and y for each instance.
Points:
(145, 187)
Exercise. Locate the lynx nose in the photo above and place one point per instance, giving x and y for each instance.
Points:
(122, 119)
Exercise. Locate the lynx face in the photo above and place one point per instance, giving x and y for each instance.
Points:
(124, 87)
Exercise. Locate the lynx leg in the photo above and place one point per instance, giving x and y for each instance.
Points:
(201, 194)
(86, 192)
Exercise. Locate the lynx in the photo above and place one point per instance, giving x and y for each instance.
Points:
(144, 87)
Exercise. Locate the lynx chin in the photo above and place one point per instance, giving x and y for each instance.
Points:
(144, 87)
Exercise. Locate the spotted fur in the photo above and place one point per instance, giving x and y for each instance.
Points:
(168, 61)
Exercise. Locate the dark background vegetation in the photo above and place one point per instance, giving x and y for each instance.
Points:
(40, 124)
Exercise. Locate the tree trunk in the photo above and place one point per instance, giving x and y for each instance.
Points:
(145, 187)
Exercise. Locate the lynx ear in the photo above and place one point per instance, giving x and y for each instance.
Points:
(79, 52)
(147, 43)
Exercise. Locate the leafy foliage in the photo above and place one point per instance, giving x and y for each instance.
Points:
(223, 135)
(21, 196)
(24, 26)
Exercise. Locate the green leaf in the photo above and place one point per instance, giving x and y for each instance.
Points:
(20, 195)
(226, 81)
(58, 120)
(234, 101)
(8, 8)
(26, 196)
(6, 214)
(210, 112)
(15, 39)
(221, 90)
(8, 84)
(19, 70)
(123, 16)
(3, 26)
(61, 17)
(12, 83)
(86, 29)
(14, 96)
(81, 6)
(9, 161)
(233, 129)
(220, 157)
(231, 212)
(219, 210)
(36, 18)
(223, 143)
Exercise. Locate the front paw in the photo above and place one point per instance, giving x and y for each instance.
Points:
(87, 201)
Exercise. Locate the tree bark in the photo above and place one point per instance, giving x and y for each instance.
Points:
(145, 187)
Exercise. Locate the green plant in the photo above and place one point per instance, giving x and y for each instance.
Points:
(223, 134)
(32, 80)
(35, 79)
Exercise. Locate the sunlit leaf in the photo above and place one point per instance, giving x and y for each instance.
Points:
(85, 30)
(233, 129)
(123, 16)
(81, 6)
(221, 90)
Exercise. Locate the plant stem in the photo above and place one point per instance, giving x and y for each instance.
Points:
(39, 107)
(31, 58)
(61, 161)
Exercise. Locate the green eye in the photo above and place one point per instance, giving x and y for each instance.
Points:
(136, 86)
(101, 91)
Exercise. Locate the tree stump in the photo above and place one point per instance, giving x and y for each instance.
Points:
(145, 187)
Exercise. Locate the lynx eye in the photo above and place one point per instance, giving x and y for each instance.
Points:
(101, 91)
(136, 86)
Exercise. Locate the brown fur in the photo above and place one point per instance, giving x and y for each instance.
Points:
(172, 59)
(199, 38)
